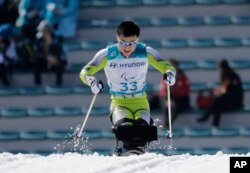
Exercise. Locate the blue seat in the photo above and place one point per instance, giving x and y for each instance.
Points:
(9, 135)
(201, 42)
(208, 150)
(227, 42)
(74, 67)
(245, 132)
(108, 134)
(174, 43)
(103, 3)
(93, 45)
(239, 64)
(170, 21)
(237, 150)
(218, 20)
(246, 87)
(207, 64)
(85, 24)
(197, 86)
(156, 2)
(191, 21)
(153, 43)
(41, 112)
(4, 91)
(235, 1)
(225, 132)
(62, 134)
(68, 111)
(182, 2)
(33, 135)
(240, 20)
(72, 46)
(113, 22)
(198, 132)
(143, 22)
(13, 112)
(58, 90)
(245, 41)
(178, 132)
(99, 111)
(81, 90)
(209, 2)
(96, 23)
(188, 64)
(85, 3)
(32, 90)
(92, 134)
(129, 2)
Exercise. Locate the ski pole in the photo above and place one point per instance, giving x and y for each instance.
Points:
(86, 117)
(170, 135)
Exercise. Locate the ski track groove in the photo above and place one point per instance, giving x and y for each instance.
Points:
(130, 164)
(115, 166)
(125, 162)
(143, 164)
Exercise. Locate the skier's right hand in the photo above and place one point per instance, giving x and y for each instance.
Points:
(169, 77)
(96, 86)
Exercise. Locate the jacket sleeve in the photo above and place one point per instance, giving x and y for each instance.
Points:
(157, 62)
(95, 65)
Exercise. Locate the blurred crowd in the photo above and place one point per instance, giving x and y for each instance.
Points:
(212, 102)
(32, 33)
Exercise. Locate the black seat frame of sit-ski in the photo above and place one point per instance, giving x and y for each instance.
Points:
(136, 134)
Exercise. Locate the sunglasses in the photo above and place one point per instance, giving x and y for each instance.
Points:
(124, 43)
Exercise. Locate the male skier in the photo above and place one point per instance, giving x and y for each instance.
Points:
(125, 65)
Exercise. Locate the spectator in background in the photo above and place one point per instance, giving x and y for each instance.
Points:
(8, 11)
(228, 96)
(50, 54)
(31, 12)
(180, 101)
(7, 53)
(3, 62)
(63, 15)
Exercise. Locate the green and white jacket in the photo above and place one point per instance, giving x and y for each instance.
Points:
(125, 76)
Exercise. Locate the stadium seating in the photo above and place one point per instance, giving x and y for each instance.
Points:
(169, 21)
(170, 43)
(193, 31)
(103, 3)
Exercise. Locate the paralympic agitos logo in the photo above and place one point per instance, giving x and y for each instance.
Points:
(125, 77)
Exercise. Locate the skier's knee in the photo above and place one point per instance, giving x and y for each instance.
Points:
(142, 116)
(121, 116)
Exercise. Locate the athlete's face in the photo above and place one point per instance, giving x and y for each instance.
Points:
(127, 45)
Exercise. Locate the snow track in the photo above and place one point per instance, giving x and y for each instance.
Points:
(146, 163)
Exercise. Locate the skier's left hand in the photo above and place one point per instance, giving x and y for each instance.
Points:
(169, 77)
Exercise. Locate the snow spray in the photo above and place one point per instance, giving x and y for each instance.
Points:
(72, 143)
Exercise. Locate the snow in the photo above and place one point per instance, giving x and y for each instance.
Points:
(94, 163)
